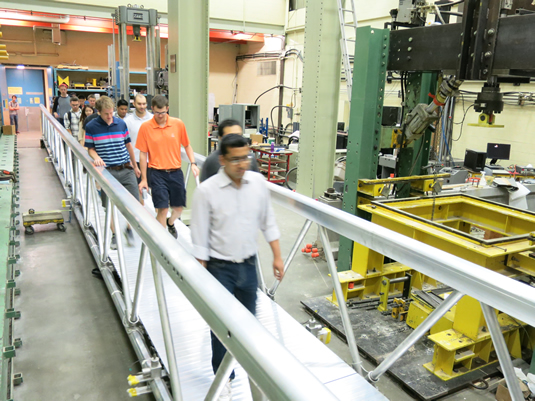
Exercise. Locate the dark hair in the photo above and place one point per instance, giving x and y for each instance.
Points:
(83, 116)
(82, 96)
(229, 122)
(122, 102)
(74, 99)
(232, 141)
(159, 101)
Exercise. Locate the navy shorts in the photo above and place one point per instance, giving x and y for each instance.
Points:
(167, 189)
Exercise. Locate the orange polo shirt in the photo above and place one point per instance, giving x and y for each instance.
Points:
(163, 143)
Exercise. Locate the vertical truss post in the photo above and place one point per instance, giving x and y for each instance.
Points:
(502, 351)
(166, 329)
(346, 322)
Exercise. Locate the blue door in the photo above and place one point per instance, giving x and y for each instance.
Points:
(27, 85)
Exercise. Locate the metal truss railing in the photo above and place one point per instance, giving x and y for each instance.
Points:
(280, 375)
(491, 289)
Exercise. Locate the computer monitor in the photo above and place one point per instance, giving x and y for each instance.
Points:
(498, 151)
(474, 160)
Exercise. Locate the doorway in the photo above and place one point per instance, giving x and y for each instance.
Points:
(29, 86)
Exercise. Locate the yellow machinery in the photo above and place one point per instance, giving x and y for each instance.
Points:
(485, 233)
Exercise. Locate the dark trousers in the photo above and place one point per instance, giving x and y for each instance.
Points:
(60, 120)
(241, 280)
(14, 120)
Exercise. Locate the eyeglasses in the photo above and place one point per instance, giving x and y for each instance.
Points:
(159, 113)
(238, 160)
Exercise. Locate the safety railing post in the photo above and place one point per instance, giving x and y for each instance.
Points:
(260, 274)
(502, 352)
(418, 333)
(350, 335)
(222, 375)
(291, 255)
(186, 179)
(68, 166)
(105, 250)
(139, 283)
(79, 172)
(74, 177)
(166, 329)
(122, 263)
(96, 211)
(86, 208)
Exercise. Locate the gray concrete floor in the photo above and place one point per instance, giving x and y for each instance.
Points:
(74, 345)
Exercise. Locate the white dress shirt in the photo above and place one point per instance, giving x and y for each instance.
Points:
(133, 122)
(225, 219)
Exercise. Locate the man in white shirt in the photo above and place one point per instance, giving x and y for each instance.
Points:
(133, 122)
(228, 210)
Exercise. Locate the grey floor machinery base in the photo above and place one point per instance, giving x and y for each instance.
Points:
(378, 335)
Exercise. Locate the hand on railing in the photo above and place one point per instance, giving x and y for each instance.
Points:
(98, 162)
(195, 170)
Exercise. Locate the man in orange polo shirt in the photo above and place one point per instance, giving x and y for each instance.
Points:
(160, 140)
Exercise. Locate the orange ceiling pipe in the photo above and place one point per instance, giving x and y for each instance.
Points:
(101, 25)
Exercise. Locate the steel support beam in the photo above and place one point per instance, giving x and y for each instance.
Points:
(188, 82)
(369, 69)
(321, 93)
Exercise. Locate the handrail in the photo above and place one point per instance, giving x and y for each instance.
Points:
(494, 289)
(274, 369)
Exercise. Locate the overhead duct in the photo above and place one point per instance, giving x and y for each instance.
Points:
(35, 18)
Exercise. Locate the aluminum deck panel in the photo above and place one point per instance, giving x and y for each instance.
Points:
(191, 335)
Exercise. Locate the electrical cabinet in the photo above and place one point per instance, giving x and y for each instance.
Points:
(248, 115)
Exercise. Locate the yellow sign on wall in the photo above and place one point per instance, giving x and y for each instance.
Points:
(14, 90)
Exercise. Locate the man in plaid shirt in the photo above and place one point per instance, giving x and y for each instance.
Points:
(71, 119)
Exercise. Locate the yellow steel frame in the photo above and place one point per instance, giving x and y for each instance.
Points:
(462, 341)
(422, 183)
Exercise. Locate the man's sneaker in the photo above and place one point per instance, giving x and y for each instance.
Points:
(172, 229)
(129, 236)
(113, 244)
(226, 394)
(96, 273)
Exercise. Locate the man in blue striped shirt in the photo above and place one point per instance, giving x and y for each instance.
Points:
(109, 144)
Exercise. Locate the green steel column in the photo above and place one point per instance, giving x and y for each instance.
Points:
(188, 80)
(320, 98)
(363, 145)
(188, 85)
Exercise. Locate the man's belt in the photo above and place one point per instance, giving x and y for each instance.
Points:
(120, 167)
(250, 259)
(169, 170)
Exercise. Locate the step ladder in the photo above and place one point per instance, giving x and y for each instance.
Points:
(342, 12)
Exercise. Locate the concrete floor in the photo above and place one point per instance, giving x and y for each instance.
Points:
(75, 347)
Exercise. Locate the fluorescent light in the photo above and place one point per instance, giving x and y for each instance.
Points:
(20, 67)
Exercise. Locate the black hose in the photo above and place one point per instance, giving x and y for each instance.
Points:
(270, 89)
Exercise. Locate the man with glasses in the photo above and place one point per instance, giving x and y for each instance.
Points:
(159, 140)
(228, 210)
(211, 165)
